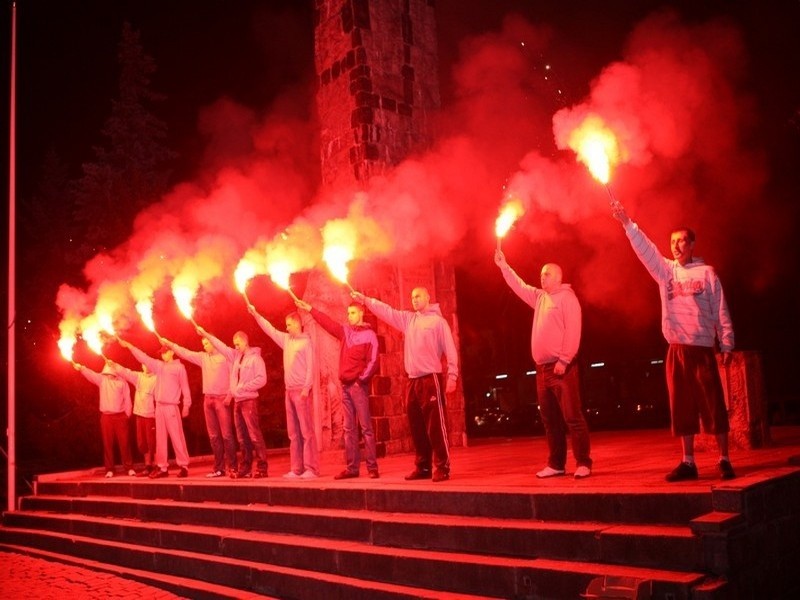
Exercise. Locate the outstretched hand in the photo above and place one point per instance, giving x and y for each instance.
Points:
(124, 343)
(358, 296)
(499, 258)
(302, 305)
(618, 212)
(251, 309)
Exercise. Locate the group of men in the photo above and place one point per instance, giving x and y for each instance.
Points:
(695, 319)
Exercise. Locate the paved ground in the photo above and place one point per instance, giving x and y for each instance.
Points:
(36, 578)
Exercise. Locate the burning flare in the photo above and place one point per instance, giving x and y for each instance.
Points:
(145, 310)
(511, 211)
(249, 266)
(339, 247)
(596, 147)
(184, 295)
(68, 339)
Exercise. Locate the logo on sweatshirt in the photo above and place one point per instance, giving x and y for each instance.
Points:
(687, 287)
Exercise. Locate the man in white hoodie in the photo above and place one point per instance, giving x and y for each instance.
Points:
(694, 316)
(172, 383)
(115, 408)
(144, 413)
(426, 338)
(216, 371)
(248, 375)
(555, 338)
(298, 376)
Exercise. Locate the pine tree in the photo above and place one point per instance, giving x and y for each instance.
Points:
(132, 168)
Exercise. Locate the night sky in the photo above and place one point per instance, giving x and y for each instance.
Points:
(730, 169)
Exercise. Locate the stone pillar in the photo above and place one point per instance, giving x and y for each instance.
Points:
(377, 68)
(743, 385)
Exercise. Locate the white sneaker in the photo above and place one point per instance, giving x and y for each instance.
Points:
(109, 474)
(291, 475)
(549, 472)
(308, 474)
(215, 474)
(582, 472)
(131, 472)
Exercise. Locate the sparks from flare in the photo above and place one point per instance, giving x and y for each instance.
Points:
(511, 211)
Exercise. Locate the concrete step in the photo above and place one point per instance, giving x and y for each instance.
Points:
(455, 572)
(671, 547)
(248, 577)
(634, 505)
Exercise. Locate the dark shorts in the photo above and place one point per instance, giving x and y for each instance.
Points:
(695, 391)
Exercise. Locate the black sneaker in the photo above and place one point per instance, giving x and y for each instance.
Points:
(418, 474)
(726, 470)
(440, 475)
(345, 475)
(183, 473)
(373, 474)
(683, 472)
(260, 474)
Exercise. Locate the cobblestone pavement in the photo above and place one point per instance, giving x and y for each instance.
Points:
(27, 577)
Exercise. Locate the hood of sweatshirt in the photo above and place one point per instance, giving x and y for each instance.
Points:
(431, 309)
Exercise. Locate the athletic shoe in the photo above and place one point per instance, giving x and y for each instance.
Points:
(158, 474)
(726, 470)
(418, 474)
(683, 472)
(145, 472)
(109, 474)
(260, 475)
(184, 472)
(549, 472)
(291, 475)
(131, 473)
(308, 474)
(345, 475)
(214, 474)
(440, 475)
(582, 472)
(373, 474)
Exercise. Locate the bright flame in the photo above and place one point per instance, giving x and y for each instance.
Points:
(340, 237)
(511, 211)
(245, 271)
(280, 271)
(93, 339)
(145, 310)
(68, 339)
(596, 147)
(337, 257)
(183, 295)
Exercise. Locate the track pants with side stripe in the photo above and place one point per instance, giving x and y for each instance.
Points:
(427, 419)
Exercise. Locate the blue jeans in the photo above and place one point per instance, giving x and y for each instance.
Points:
(355, 404)
(303, 453)
(219, 424)
(248, 428)
(560, 406)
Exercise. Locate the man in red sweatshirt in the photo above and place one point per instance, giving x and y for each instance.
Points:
(358, 360)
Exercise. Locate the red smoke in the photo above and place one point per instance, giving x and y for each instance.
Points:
(675, 100)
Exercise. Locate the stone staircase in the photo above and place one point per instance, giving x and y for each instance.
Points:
(334, 540)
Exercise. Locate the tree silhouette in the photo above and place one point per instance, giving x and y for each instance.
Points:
(132, 168)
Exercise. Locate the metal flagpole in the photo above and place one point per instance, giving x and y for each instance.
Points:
(12, 217)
